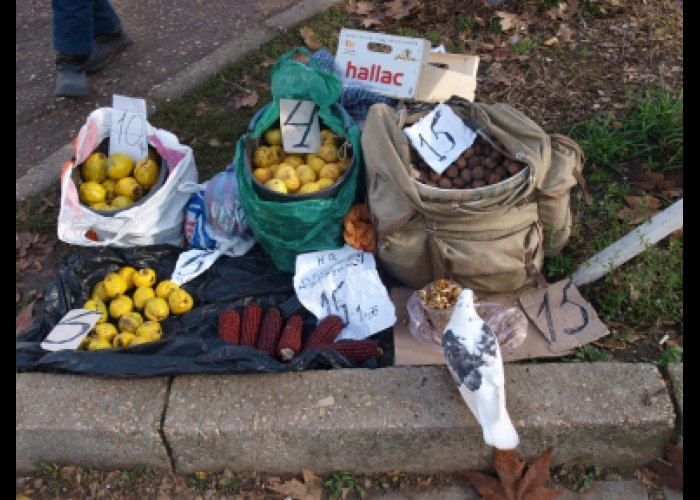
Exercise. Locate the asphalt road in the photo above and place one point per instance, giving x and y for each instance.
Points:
(169, 36)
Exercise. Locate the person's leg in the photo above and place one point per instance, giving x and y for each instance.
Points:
(110, 37)
(73, 43)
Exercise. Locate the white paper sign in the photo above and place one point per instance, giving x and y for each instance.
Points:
(192, 263)
(129, 131)
(299, 124)
(440, 137)
(344, 282)
(71, 330)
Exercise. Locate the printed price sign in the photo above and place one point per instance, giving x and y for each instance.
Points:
(440, 137)
(71, 330)
(128, 133)
(299, 123)
(344, 282)
(563, 316)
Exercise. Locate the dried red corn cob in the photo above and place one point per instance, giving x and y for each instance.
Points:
(326, 331)
(250, 324)
(355, 350)
(230, 326)
(270, 331)
(289, 344)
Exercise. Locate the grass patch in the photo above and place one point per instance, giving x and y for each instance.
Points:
(340, 481)
(652, 132)
(524, 47)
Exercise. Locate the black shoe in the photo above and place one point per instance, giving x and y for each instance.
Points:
(71, 80)
(106, 47)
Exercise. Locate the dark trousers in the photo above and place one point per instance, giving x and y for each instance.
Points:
(76, 23)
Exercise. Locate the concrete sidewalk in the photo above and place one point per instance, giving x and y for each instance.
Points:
(175, 49)
(406, 417)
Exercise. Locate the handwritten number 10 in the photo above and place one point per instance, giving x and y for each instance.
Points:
(127, 134)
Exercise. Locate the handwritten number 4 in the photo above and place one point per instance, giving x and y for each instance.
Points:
(307, 124)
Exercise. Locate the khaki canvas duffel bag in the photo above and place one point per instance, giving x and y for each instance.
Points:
(490, 239)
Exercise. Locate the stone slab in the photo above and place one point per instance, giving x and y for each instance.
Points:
(413, 418)
(89, 421)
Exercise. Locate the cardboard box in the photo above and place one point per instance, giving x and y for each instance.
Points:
(386, 64)
(455, 74)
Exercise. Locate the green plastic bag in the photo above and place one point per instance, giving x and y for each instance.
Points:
(285, 229)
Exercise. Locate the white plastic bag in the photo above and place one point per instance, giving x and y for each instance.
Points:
(158, 220)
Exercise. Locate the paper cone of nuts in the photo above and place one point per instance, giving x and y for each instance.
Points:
(438, 299)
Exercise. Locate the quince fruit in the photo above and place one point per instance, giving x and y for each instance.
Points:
(150, 330)
(109, 185)
(98, 344)
(263, 157)
(129, 187)
(328, 153)
(277, 185)
(273, 137)
(316, 164)
(119, 165)
(120, 306)
(329, 171)
(123, 340)
(93, 168)
(325, 183)
(115, 285)
(290, 178)
(309, 187)
(126, 272)
(99, 292)
(306, 174)
(179, 301)
(294, 160)
(165, 287)
(156, 309)
(146, 172)
(130, 321)
(263, 174)
(92, 192)
(145, 276)
(141, 295)
(121, 202)
(99, 306)
(105, 331)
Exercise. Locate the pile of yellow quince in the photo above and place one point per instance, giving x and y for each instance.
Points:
(295, 173)
(117, 181)
(132, 303)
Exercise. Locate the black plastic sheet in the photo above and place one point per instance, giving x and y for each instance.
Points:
(190, 343)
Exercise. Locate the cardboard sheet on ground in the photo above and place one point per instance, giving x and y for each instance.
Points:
(408, 350)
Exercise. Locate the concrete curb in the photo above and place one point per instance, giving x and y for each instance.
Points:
(41, 176)
(365, 421)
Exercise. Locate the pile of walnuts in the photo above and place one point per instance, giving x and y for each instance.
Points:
(479, 165)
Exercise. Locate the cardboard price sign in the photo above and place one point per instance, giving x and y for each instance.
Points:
(299, 124)
(563, 316)
(440, 137)
(128, 132)
(71, 330)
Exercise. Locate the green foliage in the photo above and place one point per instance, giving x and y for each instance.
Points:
(200, 482)
(577, 477)
(465, 23)
(590, 354)
(495, 26)
(524, 46)
(52, 476)
(652, 132)
(434, 37)
(340, 481)
(670, 354)
(408, 32)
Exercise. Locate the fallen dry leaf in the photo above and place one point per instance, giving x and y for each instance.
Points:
(512, 484)
(639, 209)
(398, 9)
(293, 488)
(508, 20)
(551, 41)
(370, 21)
(363, 8)
(676, 235)
(267, 62)
(310, 38)
(24, 319)
(648, 181)
(249, 100)
(564, 33)
(670, 471)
